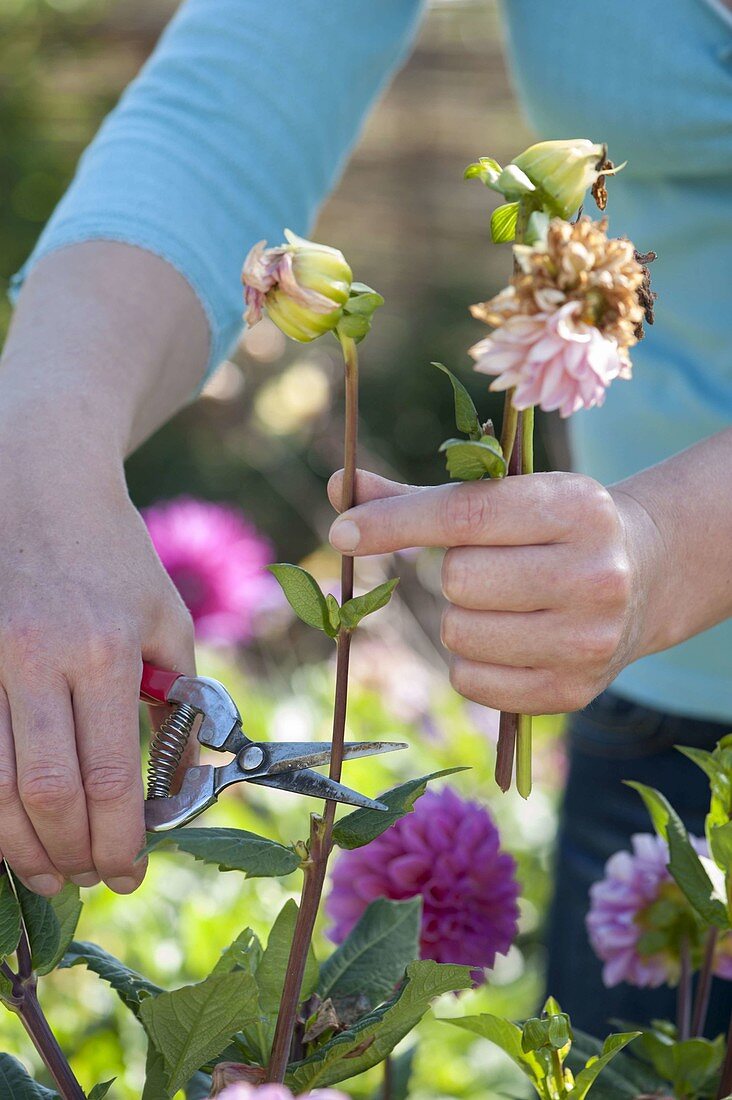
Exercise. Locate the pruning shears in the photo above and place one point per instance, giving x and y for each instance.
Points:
(198, 700)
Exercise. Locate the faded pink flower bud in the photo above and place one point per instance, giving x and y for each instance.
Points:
(303, 285)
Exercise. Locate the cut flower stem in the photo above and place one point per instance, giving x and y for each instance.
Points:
(321, 828)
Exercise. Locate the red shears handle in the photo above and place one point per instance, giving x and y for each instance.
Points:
(156, 683)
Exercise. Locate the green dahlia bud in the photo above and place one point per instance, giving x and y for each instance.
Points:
(303, 286)
(563, 171)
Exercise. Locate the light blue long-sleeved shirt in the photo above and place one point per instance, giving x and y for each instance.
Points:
(242, 119)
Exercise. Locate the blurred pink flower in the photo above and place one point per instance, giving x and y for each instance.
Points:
(274, 1092)
(555, 360)
(216, 559)
(447, 851)
(615, 923)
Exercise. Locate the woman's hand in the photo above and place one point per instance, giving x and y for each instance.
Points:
(547, 578)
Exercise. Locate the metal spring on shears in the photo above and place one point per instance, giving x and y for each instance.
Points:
(167, 748)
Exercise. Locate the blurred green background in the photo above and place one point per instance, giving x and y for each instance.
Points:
(266, 434)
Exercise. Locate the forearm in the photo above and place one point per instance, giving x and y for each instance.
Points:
(682, 541)
(107, 342)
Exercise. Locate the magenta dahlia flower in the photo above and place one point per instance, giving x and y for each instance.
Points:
(448, 852)
(633, 882)
(216, 559)
(555, 360)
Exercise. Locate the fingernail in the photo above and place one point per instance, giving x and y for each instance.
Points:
(90, 878)
(122, 885)
(345, 535)
(48, 885)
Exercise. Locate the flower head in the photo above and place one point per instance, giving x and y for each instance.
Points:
(566, 322)
(243, 1091)
(216, 559)
(448, 852)
(303, 285)
(638, 917)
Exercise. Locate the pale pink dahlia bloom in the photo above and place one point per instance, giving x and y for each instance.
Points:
(448, 852)
(216, 558)
(615, 923)
(274, 1092)
(554, 359)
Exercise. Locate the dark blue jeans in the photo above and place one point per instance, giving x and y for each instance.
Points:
(612, 740)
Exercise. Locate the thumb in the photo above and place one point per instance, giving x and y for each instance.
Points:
(368, 487)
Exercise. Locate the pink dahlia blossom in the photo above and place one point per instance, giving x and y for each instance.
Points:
(554, 359)
(448, 852)
(633, 882)
(216, 559)
(274, 1092)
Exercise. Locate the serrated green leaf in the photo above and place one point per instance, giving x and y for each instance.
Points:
(273, 965)
(466, 414)
(362, 826)
(230, 850)
(503, 222)
(17, 1084)
(6, 991)
(612, 1046)
(101, 1090)
(506, 1035)
(193, 1024)
(359, 607)
(689, 1066)
(471, 459)
(49, 923)
(373, 958)
(685, 865)
(9, 918)
(303, 593)
(244, 953)
(375, 1035)
(156, 1083)
(132, 988)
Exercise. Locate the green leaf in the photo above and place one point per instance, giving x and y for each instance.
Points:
(363, 301)
(244, 954)
(471, 459)
(362, 826)
(156, 1086)
(334, 613)
(303, 593)
(101, 1090)
(17, 1084)
(612, 1046)
(193, 1024)
(625, 1079)
(503, 222)
(375, 1035)
(373, 958)
(6, 991)
(685, 865)
(49, 923)
(359, 607)
(506, 1035)
(466, 414)
(230, 850)
(9, 917)
(273, 966)
(720, 845)
(199, 1087)
(131, 987)
(689, 1066)
(353, 326)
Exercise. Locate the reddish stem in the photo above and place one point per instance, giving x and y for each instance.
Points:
(508, 722)
(725, 1084)
(704, 985)
(683, 997)
(321, 829)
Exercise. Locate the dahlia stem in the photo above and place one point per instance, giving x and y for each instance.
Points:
(388, 1085)
(321, 828)
(683, 998)
(704, 985)
(512, 445)
(524, 728)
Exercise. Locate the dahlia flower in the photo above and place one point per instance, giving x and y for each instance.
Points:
(619, 916)
(216, 559)
(304, 286)
(274, 1092)
(448, 852)
(564, 326)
